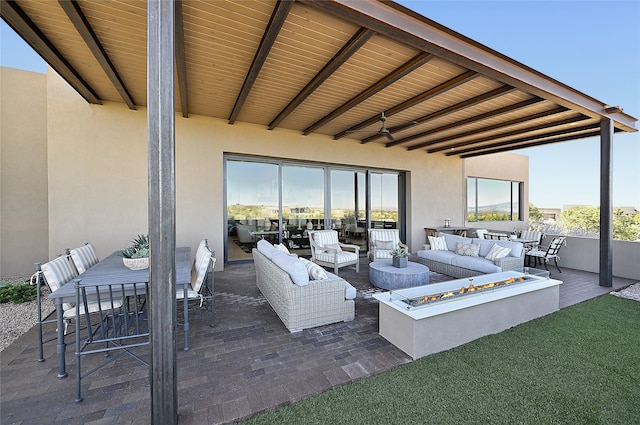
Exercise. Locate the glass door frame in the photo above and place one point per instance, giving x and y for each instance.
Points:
(327, 168)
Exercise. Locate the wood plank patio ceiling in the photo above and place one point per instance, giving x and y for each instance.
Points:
(327, 67)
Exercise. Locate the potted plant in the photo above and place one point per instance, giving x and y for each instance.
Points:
(136, 255)
(400, 257)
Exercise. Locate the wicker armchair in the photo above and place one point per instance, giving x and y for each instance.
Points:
(382, 242)
(327, 251)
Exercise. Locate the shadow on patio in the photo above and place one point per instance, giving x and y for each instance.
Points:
(248, 363)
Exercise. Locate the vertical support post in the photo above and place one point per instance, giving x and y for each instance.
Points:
(162, 235)
(606, 209)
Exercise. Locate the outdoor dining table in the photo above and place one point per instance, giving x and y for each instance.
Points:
(112, 270)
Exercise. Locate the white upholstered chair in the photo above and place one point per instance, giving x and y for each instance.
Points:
(531, 235)
(84, 257)
(544, 254)
(327, 251)
(382, 242)
(54, 275)
(203, 262)
(480, 233)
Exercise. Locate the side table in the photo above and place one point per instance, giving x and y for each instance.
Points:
(384, 275)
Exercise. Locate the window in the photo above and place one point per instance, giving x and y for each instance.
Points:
(282, 200)
(493, 200)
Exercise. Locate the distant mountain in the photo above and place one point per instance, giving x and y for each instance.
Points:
(504, 207)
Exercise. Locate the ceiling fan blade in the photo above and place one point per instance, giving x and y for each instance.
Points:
(389, 136)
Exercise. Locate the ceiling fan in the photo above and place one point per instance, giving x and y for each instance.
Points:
(383, 131)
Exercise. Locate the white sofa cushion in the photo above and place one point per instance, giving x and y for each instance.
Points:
(267, 249)
(452, 240)
(296, 269)
(440, 256)
(487, 244)
(479, 264)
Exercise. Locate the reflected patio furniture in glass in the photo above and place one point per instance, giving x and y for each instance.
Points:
(327, 251)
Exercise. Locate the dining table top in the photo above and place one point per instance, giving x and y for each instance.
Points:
(111, 269)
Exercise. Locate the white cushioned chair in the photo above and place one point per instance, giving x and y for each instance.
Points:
(327, 251)
(531, 235)
(56, 273)
(544, 254)
(84, 257)
(382, 242)
(201, 266)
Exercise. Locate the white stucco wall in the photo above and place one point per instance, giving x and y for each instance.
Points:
(96, 188)
(98, 179)
(23, 171)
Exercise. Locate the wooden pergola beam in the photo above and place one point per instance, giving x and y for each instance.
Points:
(512, 122)
(278, 18)
(511, 133)
(79, 20)
(426, 95)
(522, 142)
(408, 67)
(15, 17)
(479, 151)
(348, 50)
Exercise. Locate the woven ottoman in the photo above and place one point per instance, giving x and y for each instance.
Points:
(382, 274)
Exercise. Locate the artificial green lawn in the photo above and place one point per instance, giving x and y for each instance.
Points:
(580, 365)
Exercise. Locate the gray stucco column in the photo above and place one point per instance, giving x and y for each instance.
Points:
(606, 209)
(162, 233)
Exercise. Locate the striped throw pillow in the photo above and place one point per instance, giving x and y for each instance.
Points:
(438, 243)
(497, 252)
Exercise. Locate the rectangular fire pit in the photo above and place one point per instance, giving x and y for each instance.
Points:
(433, 318)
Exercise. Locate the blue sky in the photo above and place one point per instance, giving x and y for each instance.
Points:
(592, 46)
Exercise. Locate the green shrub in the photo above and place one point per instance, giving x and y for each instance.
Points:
(18, 294)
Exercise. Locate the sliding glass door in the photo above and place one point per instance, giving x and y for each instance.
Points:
(252, 206)
(385, 204)
(281, 201)
(348, 205)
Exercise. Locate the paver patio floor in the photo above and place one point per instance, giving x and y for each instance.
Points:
(248, 363)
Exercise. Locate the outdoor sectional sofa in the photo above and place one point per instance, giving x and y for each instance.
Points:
(450, 263)
(301, 302)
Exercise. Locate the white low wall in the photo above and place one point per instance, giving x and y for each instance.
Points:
(584, 254)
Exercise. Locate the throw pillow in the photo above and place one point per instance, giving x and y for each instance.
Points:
(282, 248)
(438, 243)
(315, 271)
(384, 244)
(335, 246)
(468, 249)
(497, 252)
